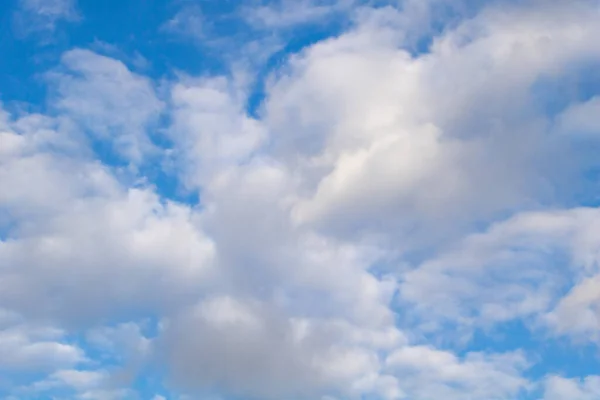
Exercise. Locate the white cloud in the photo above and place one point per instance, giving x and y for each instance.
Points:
(124, 340)
(578, 313)
(32, 349)
(581, 118)
(517, 269)
(85, 235)
(105, 247)
(427, 373)
(271, 286)
(300, 281)
(252, 348)
(558, 388)
(131, 247)
(51, 8)
(43, 15)
(86, 384)
(385, 141)
(285, 14)
(189, 21)
(76, 379)
(211, 129)
(104, 97)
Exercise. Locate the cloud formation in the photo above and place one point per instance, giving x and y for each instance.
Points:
(368, 230)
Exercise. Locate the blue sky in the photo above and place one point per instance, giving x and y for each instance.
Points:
(309, 199)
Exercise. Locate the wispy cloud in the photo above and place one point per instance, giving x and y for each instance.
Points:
(285, 14)
(43, 16)
(188, 21)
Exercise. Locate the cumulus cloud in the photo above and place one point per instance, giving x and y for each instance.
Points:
(104, 97)
(518, 269)
(83, 384)
(380, 198)
(427, 139)
(578, 312)
(557, 387)
(426, 373)
(211, 129)
(32, 349)
(75, 228)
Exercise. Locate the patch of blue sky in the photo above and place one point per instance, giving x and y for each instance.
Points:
(549, 354)
(554, 93)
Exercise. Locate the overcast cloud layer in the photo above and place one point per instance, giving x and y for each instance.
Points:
(313, 200)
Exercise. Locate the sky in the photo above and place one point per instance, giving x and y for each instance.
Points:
(300, 200)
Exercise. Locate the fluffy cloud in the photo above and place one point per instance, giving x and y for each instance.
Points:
(578, 313)
(95, 91)
(83, 384)
(30, 348)
(557, 387)
(581, 118)
(251, 349)
(421, 144)
(211, 129)
(382, 197)
(426, 373)
(83, 234)
(517, 269)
